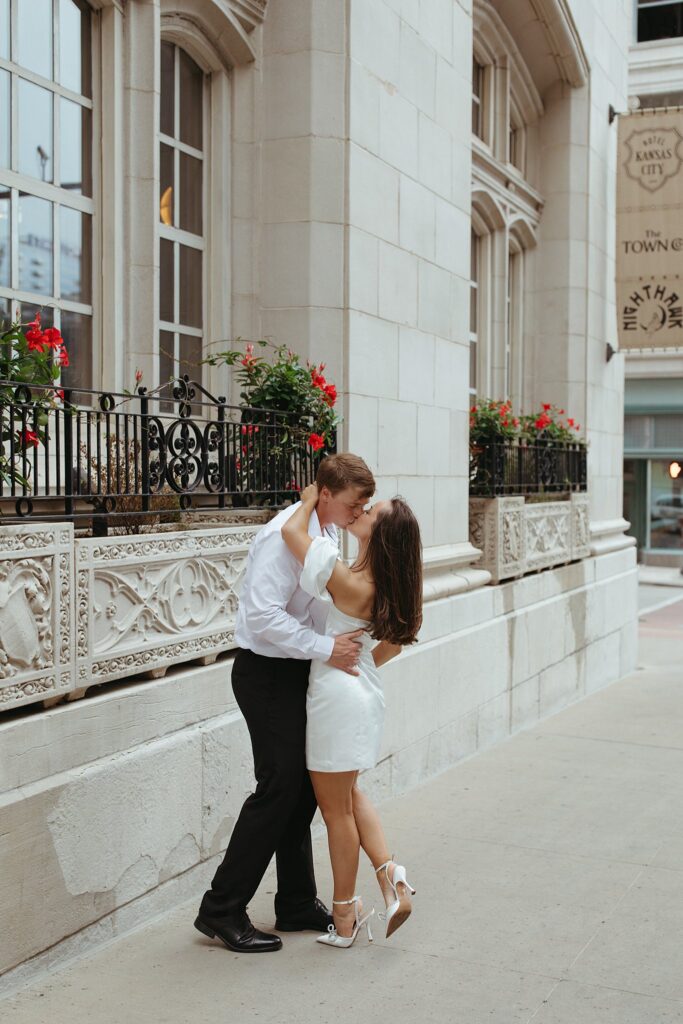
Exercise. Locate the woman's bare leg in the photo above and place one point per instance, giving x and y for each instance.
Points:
(372, 839)
(333, 792)
(369, 828)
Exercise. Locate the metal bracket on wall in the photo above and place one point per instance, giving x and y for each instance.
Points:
(610, 352)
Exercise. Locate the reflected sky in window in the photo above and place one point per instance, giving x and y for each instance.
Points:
(35, 245)
(34, 36)
(35, 131)
(4, 119)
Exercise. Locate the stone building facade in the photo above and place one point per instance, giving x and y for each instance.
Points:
(419, 193)
(653, 429)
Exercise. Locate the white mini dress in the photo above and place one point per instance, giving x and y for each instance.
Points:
(344, 713)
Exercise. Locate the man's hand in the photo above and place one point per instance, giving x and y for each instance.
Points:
(346, 652)
(309, 495)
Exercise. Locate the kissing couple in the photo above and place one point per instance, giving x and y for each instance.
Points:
(312, 633)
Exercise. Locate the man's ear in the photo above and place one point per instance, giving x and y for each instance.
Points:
(325, 493)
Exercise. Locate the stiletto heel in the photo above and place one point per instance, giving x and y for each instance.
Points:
(332, 937)
(400, 910)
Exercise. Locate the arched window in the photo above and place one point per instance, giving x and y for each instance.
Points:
(182, 215)
(46, 172)
(505, 204)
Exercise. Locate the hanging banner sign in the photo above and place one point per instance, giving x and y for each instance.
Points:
(649, 259)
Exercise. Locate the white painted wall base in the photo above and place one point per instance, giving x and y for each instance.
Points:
(119, 806)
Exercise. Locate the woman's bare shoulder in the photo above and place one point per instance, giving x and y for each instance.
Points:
(351, 591)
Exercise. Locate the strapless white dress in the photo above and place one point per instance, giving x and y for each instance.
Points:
(344, 713)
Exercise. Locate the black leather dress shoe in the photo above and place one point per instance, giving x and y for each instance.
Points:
(238, 934)
(313, 917)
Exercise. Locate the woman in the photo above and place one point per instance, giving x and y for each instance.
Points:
(381, 593)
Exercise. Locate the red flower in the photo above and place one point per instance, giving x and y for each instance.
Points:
(59, 394)
(52, 338)
(62, 356)
(570, 421)
(28, 437)
(516, 421)
(505, 422)
(138, 375)
(542, 421)
(35, 340)
(330, 394)
(36, 321)
(473, 408)
(546, 406)
(238, 465)
(316, 441)
(561, 412)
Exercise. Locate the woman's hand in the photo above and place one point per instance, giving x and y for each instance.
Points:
(310, 495)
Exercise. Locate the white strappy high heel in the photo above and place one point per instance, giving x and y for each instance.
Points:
(332, 937)
(401, 909)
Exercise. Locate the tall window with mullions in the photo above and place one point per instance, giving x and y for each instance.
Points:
(182, 142)
(46, 175)
(659, 19)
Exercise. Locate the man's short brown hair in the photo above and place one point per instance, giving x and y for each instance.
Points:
(337, 472)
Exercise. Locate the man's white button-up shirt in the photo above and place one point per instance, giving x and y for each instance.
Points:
(276, 617)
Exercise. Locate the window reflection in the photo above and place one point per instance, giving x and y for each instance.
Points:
(35, 131)
(34, 36)
(5, 119)
(4, 29)
(167, 88)
(166, 185)
(166, 286)
(77, 333)
(666, 506)
(74, 46)
(5, 247)
(5, 313)
(191, 194)
(75, 250)
(190, 286)
(167, 355)
(190, 356)
(75, 147)
(191, 106)
(35, 245)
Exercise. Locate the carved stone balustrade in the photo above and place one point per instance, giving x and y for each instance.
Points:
(75, 612)
(36, 612)
(517, 536)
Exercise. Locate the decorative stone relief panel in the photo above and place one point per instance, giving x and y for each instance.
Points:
(143, 603)
(516, 536)
(548, 534)
(36, 612)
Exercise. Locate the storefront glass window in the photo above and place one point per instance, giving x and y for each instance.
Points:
(666, 503)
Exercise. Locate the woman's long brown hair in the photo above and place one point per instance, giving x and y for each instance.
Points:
(394, 558)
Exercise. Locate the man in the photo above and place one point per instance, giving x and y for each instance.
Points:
(279, 629)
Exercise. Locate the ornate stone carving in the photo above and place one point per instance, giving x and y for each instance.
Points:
(517, 537)
(146, 602)
(36, 570)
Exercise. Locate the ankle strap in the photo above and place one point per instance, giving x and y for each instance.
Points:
(385, 865)
(354, 900)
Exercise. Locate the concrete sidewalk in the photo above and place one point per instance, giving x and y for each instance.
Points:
(549, 873)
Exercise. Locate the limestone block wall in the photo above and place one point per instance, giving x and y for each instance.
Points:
(408, 253)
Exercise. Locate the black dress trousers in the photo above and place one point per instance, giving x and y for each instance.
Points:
(276, 818)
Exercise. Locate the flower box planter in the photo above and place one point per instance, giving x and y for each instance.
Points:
(518, 536)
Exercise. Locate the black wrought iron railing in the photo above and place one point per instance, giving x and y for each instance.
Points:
(123, 459)
(515, 467)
